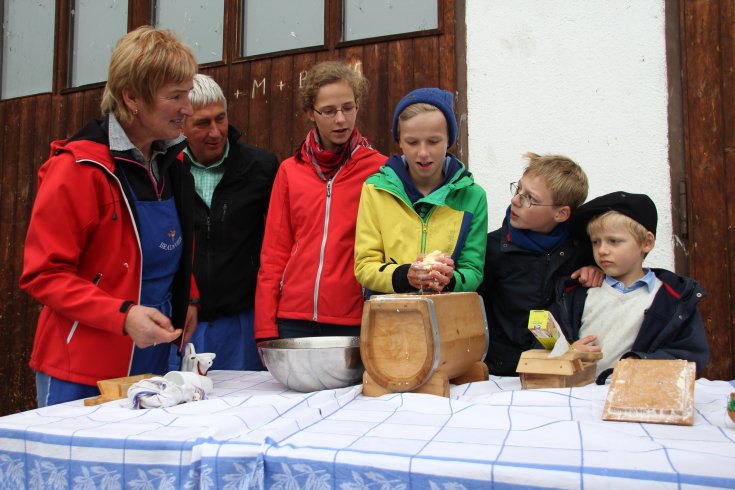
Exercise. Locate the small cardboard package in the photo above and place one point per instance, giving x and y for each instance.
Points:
(544, 327)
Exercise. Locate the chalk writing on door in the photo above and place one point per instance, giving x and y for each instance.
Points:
(260, 85)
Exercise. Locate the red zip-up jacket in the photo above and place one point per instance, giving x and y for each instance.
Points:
(83, 262)
(307, 259)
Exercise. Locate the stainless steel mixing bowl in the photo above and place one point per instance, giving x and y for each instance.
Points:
(313, 363)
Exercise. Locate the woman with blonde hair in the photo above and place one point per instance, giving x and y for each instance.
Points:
(306, 286)
(109, 245)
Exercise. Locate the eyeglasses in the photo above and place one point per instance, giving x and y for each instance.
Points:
(331, 112)
(526, 200)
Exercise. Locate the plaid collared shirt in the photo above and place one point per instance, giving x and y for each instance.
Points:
(207, 178)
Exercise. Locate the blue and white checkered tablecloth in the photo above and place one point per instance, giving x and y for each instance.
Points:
(253, 433)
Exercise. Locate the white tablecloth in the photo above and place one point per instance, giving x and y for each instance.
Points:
(253, 433)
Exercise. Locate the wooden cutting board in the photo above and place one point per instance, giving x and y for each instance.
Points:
(651, 391)
(115, 389)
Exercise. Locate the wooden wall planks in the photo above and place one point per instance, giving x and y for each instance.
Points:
(708, 31)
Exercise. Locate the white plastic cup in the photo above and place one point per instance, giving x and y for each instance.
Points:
(180, 378)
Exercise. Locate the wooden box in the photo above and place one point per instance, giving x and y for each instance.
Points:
(574, 368)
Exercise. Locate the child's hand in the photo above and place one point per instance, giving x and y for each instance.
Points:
(434, 271)
(441, 274)
(418, 276)
(589, 276)
(585, 344)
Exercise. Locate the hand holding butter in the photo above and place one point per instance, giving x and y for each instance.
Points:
(431, 259)
(432, 271)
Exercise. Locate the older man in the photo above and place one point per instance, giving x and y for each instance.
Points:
(233, 181)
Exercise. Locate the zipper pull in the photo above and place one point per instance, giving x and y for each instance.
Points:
(209, 222)
(224, 212)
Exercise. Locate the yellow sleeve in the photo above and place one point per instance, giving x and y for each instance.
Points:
(371, 270)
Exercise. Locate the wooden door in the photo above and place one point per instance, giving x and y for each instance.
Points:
(708, 70)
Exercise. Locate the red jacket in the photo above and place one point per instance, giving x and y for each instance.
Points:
(83, 263)
(307, 260)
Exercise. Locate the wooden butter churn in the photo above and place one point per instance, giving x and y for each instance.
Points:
(420, 342)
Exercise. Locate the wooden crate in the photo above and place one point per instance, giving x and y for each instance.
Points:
(574, 368)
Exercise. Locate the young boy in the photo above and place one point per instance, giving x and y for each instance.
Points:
(529, 253)
(638, 312)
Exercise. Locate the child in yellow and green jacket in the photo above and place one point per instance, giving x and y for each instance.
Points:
(422, 201)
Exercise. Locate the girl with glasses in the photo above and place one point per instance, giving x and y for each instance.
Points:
(306, 285)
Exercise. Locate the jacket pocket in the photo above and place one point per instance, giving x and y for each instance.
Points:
(285, 269)
(74, 325)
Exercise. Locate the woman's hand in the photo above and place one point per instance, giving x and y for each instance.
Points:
(148, 326)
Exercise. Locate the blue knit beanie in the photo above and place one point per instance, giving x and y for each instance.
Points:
(441, 99)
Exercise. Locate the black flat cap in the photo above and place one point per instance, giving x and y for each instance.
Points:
(638, 207)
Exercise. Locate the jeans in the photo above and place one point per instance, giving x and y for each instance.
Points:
(288, 329)
(51, 391)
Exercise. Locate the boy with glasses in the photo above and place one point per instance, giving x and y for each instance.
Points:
(638, 312)
(529, 252)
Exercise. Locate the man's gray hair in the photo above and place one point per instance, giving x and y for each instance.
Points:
(206, 92)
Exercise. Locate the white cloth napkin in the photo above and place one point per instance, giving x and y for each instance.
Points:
(158, 392)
